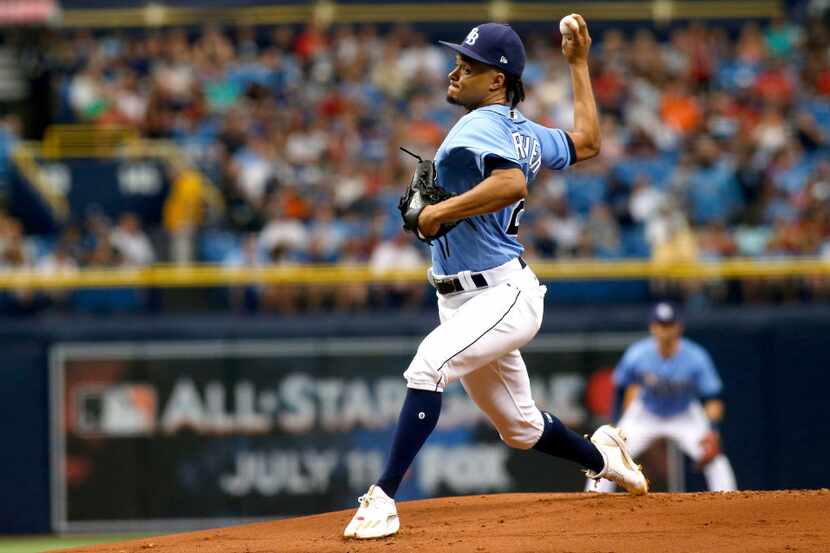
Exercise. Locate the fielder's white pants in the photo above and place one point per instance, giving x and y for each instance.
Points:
(478, 343)
(687, 429)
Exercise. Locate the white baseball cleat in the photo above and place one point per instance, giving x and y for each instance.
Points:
(375, 518)
(620, 467)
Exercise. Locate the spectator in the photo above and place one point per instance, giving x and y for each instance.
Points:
(286, 239)
(727, 135)
(249, 255)
(716, 242)
(711, 189)
(130, 242)
(645, 200)
(60, 262)
(602, 233)
(397, 254)
(563, 228)
(183, 212)
(679, 109)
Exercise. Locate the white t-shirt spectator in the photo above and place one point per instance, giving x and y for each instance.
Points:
(289, 234)
(134, 246)
(645, 202)
(57, 263)
(424, 60)
(394, 255)
(254, 171)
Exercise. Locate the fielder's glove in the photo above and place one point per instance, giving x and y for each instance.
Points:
(421, 192)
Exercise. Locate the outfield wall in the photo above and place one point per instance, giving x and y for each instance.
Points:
(171, 423)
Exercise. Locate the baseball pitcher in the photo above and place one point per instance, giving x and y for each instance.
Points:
(670, 389)
(467, 204)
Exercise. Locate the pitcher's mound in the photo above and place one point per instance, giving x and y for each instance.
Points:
(774, 522)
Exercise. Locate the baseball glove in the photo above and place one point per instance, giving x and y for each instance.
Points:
(421, 192)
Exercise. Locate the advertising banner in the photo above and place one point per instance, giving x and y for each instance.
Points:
(19, 12)
(110, 186)
(164, 434)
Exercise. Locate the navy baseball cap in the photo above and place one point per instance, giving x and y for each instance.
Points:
(495, 44)
(665, 313)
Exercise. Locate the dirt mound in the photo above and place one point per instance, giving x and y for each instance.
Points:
(779, 522)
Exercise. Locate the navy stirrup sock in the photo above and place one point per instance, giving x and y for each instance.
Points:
(418, 418)
(560, 441)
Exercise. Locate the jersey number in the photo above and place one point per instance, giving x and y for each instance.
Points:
(515, 216)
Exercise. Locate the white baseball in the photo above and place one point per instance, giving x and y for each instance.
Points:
(568, 25)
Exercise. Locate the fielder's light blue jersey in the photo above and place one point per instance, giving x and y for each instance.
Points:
(668, 385)
(485, 135)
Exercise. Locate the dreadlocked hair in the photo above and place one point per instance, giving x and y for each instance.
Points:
(515, 90)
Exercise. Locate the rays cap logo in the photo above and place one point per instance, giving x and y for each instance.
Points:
(665, 313)
(495, 44)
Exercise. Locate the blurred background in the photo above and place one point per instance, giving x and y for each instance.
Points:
(206, 299)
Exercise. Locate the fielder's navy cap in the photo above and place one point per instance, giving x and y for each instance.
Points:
(495, 44)
(665, 313)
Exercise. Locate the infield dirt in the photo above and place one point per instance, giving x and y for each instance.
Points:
(773, 522)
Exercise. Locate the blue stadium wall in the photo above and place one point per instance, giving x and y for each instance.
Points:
(773, 362)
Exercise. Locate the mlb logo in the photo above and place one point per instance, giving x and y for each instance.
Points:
(123, 410)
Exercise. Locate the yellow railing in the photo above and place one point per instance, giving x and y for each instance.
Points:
(62, 141)
(24, 159)
(169, 276)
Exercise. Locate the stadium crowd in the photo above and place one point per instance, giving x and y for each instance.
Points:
(715, 144)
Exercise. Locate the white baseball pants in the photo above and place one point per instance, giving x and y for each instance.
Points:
(686, 429)
(478, 343)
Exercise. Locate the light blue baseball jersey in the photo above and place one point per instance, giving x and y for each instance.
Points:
(484, 136)
(668, 385)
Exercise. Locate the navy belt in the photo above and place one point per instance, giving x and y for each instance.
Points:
(452, 285)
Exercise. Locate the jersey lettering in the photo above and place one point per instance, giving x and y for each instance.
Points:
(522, 144)
(513, 223)
(535, 157)
(529, 149)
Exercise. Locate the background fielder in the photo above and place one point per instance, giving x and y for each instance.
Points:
(489, 301)
(670, 389)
